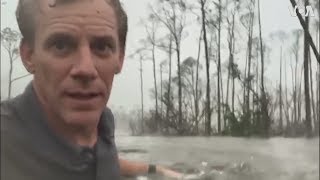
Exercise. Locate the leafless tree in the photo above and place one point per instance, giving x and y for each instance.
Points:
(10, 41)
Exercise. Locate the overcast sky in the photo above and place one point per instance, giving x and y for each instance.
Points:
(275, 16)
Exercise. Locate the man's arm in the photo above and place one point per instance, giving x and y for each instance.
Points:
(130, 168)
(133, 169)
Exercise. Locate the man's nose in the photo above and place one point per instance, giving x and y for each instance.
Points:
(84, 69)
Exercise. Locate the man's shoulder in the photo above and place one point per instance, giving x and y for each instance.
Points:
(108, 112)
(6, 109)
(107, 124)
(9, 115)
(109, 117)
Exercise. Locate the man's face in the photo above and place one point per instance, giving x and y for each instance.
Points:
(74, 59)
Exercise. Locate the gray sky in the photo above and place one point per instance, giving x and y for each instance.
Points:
(275, 16)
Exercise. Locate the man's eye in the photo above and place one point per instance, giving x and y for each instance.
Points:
(102, 48)
(62, 46)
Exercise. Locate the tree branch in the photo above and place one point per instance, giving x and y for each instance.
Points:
(20, 77)
(304, 26)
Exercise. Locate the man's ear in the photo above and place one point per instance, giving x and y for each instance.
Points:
(26, 53)
(120, 62)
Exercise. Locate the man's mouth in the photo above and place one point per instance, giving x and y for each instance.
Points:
(83, 95)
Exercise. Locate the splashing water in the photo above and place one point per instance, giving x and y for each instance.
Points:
(237, 171)
(228, 158)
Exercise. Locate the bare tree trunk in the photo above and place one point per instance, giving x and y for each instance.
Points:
(249, 65)
(170, 79)
(233, 92)
(155, 78)
(232, 59)
(318, 121)
(308, 125)
(196, 100)
(228, 81)
(177, 43)
(205, 40)
(249, 21)
(264, 105)
(245, 83)
(141, 90)
(151, 38)
(233, 82)
(316, 128)
(314, 117)
(10, 75)
(280, 93)
(230, 66)
(219, 68)
(179, 85)
(300, 97)
(161, 93)
(295, 94)
(257, 85)
(287, 101)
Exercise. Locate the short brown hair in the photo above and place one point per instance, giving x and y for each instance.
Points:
(25, 15)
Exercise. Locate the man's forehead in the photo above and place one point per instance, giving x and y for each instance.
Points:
(53, 9)
(81, 13)
(51, 5)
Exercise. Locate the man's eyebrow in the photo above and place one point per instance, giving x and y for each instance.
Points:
(103, 37)
(60, 35)
(106, 38)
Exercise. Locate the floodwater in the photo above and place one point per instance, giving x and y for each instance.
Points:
(242, 158)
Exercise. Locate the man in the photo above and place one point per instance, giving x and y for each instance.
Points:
(59, 127)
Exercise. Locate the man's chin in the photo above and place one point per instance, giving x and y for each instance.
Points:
(83, 118)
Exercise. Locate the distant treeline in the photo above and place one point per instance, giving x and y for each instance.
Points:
(224, 90)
